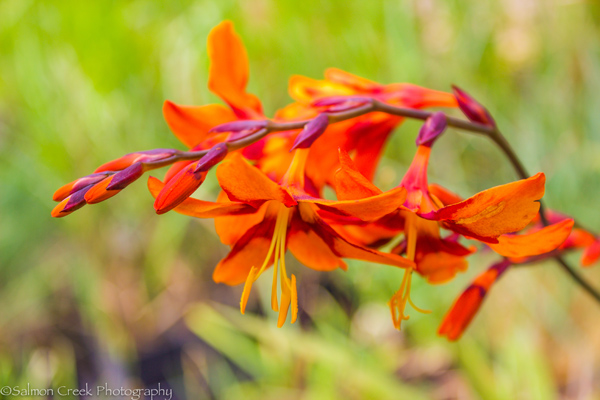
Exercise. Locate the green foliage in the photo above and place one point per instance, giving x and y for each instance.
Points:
(83, 82)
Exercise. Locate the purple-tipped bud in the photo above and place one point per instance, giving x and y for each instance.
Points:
(340, 100)
(433, 127)
(76, 200)
(123, 178)
(472, 109)
(214, 156)
(140, 156)
(311, 132)
(250, 125)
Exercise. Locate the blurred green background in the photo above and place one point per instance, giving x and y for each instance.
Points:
(117, 294)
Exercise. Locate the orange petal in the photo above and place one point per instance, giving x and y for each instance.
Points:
(536, 243)
(496, 211)
(309, 221)
(179, 188)
(98, 192)
(444, 195)
(311, 250)
(245, 183)
(199, 208)
(350, 184)
(441, 267)
(229, 70)
(306, 90)
(591, 254)
(250, 250)
(191, 123)
(347, 79)
(413, 96)
(231, 228)
(175, 168)
(578, 238)
(367, 209)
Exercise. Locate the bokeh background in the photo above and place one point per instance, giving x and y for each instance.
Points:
(116, 294)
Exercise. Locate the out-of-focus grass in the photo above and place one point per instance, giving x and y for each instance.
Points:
(100, 295)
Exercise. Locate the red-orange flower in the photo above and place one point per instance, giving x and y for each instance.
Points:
(285, 217)
(486, 216)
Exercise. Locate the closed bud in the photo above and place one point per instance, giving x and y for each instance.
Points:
(214, 156)
(141, 157)
(178, 188)
(468, 303)
(78, 184)
(341, 100)
(248, 126)
(99, 192)
(123, 178)
(433, 127)
(71, 203)
(472, 109)
(311, 132)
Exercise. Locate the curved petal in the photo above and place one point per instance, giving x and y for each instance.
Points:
(306, 90)
(367, 209)
(532, 244)
(445, 196)
(199, 208)
(229, 70)
(591, 254)
(496, 211)
(249, 251)
(354, 81)
(440, 267)
(310, 249)
(245, 183)
(191, 123)
(340, 246)
(350, 184)
(231, 228)
(413, 96)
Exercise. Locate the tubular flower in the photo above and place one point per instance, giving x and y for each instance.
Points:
(463, 310)
(284, 217)
(365, 135)
(486, 217)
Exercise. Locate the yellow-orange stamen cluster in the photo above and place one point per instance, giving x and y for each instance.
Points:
(399, 300)
(289, 294)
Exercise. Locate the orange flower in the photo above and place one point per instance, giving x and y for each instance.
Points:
(285, 217)
(365, 135)
(486, 217)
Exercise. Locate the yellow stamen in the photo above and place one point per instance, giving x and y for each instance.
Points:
(294, 299)
(276, 250)
(399, 300)
(247, 288)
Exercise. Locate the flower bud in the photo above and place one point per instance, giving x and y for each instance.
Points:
(123, 178)
(214, 156)
(466, 306)
(473, 110)
(78, 184)
(311, 132)
(141, 157)
(249, 125)
(179, 188)
(433, 127)
(71, 203)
